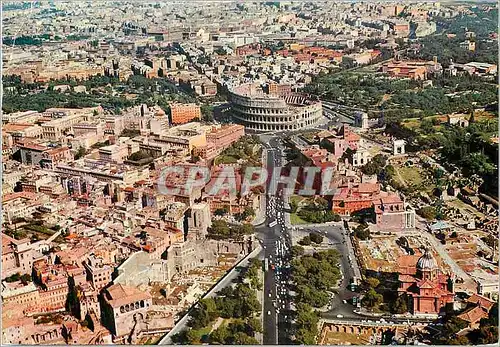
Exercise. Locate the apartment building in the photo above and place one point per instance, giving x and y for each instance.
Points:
(56, 129)
(224, 136)
(98, 273)
(17, 256)
(184, 113)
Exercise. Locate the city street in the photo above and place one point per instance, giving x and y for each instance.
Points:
(276, 242)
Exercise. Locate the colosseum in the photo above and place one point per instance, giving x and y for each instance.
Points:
(263, 109)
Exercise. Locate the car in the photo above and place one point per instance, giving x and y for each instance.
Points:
(340, 316)
(344, 301)
(268, 313)
(270, 295)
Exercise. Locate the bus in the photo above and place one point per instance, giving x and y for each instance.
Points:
(266, 264)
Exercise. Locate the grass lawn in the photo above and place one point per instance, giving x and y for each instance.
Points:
(294, 219)
(203, 332)
(225, 159)
(296, 198)
(411, 123)
(411, 175)
(301, 200)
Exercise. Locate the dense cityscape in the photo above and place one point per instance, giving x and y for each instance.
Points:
(249, 172)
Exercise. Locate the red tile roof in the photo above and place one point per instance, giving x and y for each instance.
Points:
(481, 301)
(473, 315)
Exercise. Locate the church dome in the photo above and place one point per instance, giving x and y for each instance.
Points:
(426, 261)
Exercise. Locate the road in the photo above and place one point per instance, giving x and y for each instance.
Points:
(276, 242)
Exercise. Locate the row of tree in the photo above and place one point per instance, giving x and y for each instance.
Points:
(316, 212)
(311, 238)
(222, 230)
(313, 275)
(20, 96)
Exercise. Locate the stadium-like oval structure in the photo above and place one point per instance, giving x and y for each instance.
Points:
(262, 111)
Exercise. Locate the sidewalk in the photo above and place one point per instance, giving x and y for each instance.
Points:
(424, 318)
(260, 216)
(260, 297)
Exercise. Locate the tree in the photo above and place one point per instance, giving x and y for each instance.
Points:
(203, 314)
(13, 278)
(372, 299)
(426, 126)
(362, 232)
(313, 275)
(427, 212)
(454, 325)
(240, 338)
(255, 325)
(25, 278)
(316, 238)
(460, 340)
(244, 229)
(221, 211)
(297, 251)
(372, 282)
(73, 299)
(219, 336)
(307, 324)
(400, 306)
(207, 113)
(375, 166)
(312, 296)
(248, 212)
(477, 163)
(80, 153)
(306, 241)
(488, 335)
(139, 155)
(219, 228)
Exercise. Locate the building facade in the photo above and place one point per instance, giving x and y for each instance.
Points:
(184, 113)
(426, 288)
(125, 310)
(260, 112)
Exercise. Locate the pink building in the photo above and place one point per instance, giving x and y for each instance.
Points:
(425, 287)
(339, 146)
(225, 136)
(392, 214)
